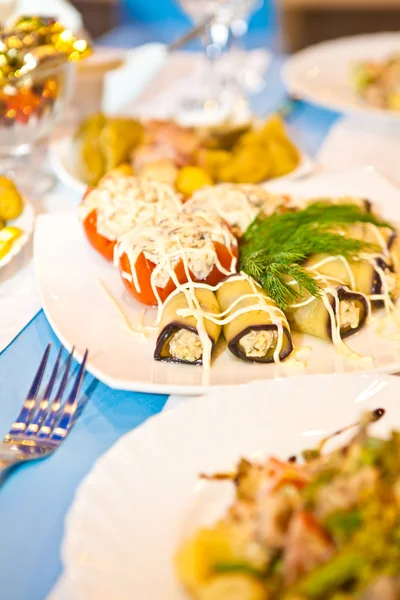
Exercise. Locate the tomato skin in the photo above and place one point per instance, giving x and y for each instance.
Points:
(100, 243)
(145, 267)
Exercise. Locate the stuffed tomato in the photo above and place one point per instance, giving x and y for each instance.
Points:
(120, 203)
(155, 260)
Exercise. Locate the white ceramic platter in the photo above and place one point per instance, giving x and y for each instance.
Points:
(61, 155)
(144, 495)
(322, 73)
(79, 292)
(24, 222)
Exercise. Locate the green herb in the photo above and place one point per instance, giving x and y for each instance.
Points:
(275, 247)
(342, 525)
(324, 580)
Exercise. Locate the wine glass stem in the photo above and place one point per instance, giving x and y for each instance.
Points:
(215, 41)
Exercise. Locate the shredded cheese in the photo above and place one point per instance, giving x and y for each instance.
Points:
(122, 203)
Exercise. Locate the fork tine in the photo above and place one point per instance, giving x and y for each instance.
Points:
(69, 409)
(54, 407)
(36, 422)
(30, 403)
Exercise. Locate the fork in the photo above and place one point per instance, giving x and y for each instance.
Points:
(43, 423)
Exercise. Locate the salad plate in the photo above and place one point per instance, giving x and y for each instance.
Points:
(87, 306)
(324, 73)
(121, 531)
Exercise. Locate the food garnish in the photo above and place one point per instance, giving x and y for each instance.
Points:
(275, 247)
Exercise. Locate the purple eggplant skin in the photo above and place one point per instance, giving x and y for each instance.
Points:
(345, 294)
(376, 287)
(163, 339)
(287, 347)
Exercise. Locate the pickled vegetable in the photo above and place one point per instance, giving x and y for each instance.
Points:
(103, 144)
(11, 203)
(117, 140)
(212, 161)
(90, 161)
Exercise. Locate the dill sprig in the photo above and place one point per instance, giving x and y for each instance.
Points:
(274, 248)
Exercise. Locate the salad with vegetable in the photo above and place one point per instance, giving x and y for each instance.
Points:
(323, 528)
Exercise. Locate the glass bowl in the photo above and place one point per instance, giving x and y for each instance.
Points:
(30, 108)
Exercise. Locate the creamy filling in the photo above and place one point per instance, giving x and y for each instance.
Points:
(349, 314)
(256, 344)
(237, 204)
(391, 281)
(186, 345)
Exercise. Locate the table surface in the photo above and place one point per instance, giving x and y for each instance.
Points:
(35, 499)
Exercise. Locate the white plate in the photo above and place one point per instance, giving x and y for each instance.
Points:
(70, 276)
(143, 496)
(322, 73)
(25, 222)
(61, 155)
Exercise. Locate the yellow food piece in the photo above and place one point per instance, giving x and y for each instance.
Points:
(213, 160)
(90, 162)
(190, 179)
(251, 138)
(91, 126)
(2, 224)
(196, 558)
(394, 101)
(273, 128)
(223, 136)
(117, 140)
(162, 169)
(249, 165)
(11, 203)
(227, 543)
(233, 586)
(103, 144)
(283, 158)
(8, 235)
(261, 154)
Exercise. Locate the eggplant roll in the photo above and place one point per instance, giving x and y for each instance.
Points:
(365, 277)
(252, 335)
(314, 318)
(178, 339)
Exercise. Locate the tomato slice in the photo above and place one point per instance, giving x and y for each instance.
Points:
(145, 267)
(98, 241)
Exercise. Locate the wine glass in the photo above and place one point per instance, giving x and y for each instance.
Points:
(221, 96)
